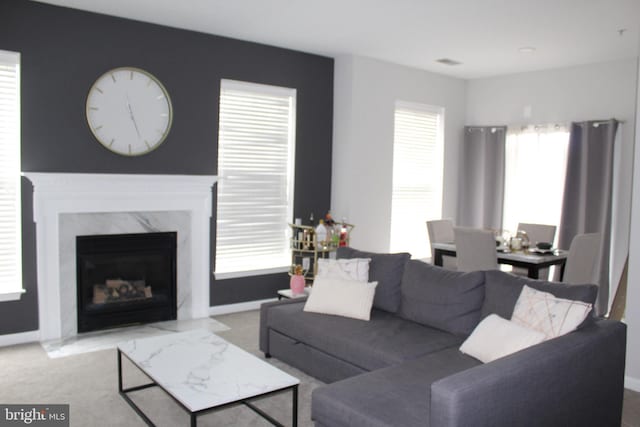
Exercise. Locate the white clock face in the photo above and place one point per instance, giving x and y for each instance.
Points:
(129, 111)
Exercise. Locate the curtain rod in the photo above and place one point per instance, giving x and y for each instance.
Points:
(599, 122)
(595, 123)
(482, 128)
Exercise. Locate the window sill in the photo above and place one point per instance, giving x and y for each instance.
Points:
(262, 272)
(11, 295)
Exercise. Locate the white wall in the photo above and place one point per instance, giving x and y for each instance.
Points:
(365, 92)
(595, 91)
(633, 292)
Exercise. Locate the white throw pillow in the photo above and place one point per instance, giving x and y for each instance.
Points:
(347, 269)
(348, 298)
(496, 337)
(550, 315)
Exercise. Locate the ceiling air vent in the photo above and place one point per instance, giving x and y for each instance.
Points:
(448, 61)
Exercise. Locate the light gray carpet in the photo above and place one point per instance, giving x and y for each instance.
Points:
(89, 383)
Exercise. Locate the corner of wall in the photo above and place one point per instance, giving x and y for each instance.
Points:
(342, 117)
(632, 312)
(632, 383)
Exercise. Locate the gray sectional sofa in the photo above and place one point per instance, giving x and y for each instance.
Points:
(404, 367)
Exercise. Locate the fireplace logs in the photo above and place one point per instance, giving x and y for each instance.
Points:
(118, 290)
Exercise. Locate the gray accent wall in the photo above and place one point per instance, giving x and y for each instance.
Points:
(65, 50)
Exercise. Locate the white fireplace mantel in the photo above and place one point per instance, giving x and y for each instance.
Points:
(63, 193)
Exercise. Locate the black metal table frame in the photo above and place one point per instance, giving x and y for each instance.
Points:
(193, 415)
(533, 269)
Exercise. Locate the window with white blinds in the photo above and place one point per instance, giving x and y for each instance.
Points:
(256, 173)
(418, 156)
(10, 225)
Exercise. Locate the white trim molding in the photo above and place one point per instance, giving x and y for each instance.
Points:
(11, 296)
(19, 338)
(63, 193)
(632, 383)
(237, 274)
(219, 310)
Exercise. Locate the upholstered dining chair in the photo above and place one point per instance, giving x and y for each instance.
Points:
(582, 257)
(536, 233)
(475, 249)
(441, 231)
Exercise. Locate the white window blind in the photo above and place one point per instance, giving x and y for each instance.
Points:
(256, 172)
(10, 228)
(534, 156)
(418, 156)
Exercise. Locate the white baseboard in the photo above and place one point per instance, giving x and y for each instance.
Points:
(20, 338)
(217, 310)
(632, 383)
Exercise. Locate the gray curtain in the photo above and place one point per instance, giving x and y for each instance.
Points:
(482, 177)
(588, 188)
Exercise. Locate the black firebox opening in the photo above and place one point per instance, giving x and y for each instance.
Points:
(125, 279)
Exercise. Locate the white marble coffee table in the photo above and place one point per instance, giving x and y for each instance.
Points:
(203, 372)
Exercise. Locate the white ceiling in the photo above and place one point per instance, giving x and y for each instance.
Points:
(482, 34)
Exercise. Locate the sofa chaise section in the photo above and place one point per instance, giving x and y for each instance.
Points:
(396, 396)
(573, 380)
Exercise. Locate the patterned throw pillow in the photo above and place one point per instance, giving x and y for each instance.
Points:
(345, 269)
(550, 315)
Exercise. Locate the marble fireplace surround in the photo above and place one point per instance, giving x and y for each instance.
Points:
(66, 205)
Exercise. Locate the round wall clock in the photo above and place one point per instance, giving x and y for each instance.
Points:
(129, 111)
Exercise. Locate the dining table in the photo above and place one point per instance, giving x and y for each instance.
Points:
(532, 260)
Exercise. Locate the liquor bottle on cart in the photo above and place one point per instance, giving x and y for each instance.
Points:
(308, 235)
(321, 235)
(344, 233)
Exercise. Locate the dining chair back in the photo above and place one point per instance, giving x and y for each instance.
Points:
(441, 231)
(475, 249)
(536, 233)
(582, 257)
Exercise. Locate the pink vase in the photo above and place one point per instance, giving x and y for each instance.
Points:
(297, 284)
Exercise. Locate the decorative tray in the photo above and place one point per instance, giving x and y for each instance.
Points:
(538, 251)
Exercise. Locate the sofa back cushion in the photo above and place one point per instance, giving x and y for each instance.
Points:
(387, 270)
(503, 289)
(440, 298)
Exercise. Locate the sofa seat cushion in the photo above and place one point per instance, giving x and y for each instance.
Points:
(382, 341)
(440, 298)
(396, 396)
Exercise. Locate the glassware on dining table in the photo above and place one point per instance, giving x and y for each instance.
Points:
(502, 239)
(515, 243)
(524, 239)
